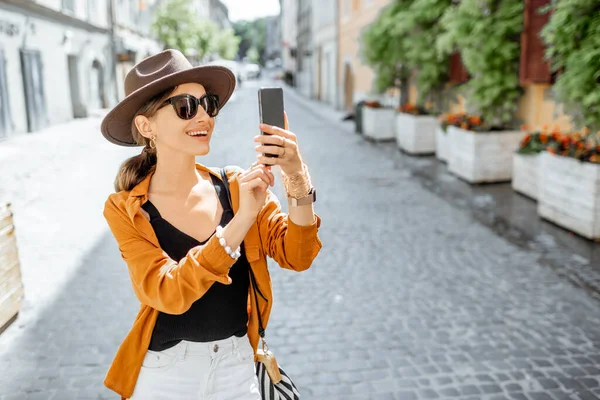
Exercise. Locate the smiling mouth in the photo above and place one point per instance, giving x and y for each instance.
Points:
(197, 133)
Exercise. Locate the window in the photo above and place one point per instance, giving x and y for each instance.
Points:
(68, 6)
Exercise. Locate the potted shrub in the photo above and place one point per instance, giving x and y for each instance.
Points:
(491, 57)
(383, 47)
(415, 129)
(569, 191)
(442, 144)
(526, 163)
(415, 124)
(378, 121)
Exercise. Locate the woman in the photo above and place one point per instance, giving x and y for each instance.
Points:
(189, 246)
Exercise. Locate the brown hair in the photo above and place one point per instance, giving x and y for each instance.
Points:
(136, 168)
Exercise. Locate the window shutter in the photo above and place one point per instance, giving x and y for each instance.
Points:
(534, 69)
(458, 72)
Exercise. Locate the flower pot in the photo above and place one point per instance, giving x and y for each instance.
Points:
(569, 194)
(415, 134)
(525, 174)
(11, 286)
(442, 145)
(479, 157)
(379, 123)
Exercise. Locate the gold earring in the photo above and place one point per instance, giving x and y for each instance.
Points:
(152, 143)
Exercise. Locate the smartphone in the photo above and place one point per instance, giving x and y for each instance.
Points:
(270, 108)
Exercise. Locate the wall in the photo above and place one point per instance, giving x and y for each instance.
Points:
(354, 16)
(55, 42)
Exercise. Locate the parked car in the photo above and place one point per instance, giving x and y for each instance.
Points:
(234, 66)
(252, 70)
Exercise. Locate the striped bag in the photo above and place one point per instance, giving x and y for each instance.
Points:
(273, 382)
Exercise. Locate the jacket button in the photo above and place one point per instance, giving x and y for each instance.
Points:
(216, 348)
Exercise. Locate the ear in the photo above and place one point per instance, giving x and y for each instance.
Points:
(144, 125)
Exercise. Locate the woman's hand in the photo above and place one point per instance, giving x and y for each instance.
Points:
(281, 142)
(254, 183)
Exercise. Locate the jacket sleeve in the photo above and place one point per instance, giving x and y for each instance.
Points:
(291, 246)
(159, 281)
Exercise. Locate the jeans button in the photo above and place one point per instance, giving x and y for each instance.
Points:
(216, 348)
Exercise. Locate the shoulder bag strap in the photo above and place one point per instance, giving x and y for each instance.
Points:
(261, 329)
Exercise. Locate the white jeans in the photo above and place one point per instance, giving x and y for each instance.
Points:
(221, 370)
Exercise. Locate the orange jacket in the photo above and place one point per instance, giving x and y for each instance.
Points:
(171, 286)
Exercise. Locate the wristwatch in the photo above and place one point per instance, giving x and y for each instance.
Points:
(310, 198)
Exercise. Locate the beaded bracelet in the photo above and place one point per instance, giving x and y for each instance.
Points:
(235, 254)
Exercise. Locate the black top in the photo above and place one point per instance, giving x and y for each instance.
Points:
(222, 311)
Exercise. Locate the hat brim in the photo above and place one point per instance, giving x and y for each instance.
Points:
(116, 125)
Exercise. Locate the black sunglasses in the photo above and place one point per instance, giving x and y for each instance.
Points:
(186, 105)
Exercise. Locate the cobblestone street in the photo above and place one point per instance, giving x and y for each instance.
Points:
(410, 298)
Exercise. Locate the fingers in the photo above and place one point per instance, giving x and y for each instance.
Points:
(276, 131)
(286, 125)
(259, 172)
(258, 183)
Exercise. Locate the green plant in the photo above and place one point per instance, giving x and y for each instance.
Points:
(431, 66)
(572, 37)
(177, 26)
(227, 44)
(487, 33)
(384, 45)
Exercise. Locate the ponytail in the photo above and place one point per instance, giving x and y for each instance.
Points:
(136, 169)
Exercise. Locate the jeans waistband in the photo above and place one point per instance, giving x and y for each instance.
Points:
(207, 349)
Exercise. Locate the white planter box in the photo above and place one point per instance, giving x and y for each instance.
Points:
(525, 174)
(484, 156)
(569, 194)
(379, 123)
(442, 145)
(415, 134)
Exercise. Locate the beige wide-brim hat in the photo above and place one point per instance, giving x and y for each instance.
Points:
(154, 75)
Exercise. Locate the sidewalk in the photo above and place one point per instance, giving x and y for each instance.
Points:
(498, 206)
(56, 180)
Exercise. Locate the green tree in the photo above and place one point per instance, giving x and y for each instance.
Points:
(488, 34)
(253, 55)
(430, 65)
(572, 36)
(227, 44)
(177, 26)
(384, 45)
(253, 36)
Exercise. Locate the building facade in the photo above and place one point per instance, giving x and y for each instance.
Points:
(305, 48)
(325, 51)
(289, 33)
(134, 39)
(355, 79)
(273, 38)
(55, 62)
(219, 13)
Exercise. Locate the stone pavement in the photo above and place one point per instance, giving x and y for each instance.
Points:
(410, 298)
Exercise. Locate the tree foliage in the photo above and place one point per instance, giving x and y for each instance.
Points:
(430, 65)
(253, 35)
(572, 36)
(178, 27)
(487, 33)
(384, 46)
